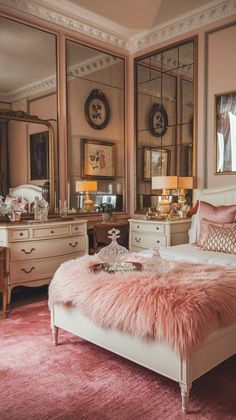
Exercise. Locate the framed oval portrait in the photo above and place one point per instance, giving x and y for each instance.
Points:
(97, 110)
(158, 120)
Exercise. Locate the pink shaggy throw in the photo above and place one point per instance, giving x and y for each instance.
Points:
(181, 306)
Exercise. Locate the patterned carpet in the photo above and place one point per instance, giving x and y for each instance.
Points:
(77, 380)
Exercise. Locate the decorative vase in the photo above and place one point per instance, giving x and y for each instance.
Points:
(106, 217)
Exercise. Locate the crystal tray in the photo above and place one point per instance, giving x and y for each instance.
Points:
(123, 267)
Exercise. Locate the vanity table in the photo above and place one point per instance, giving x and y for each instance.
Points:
(34, 251)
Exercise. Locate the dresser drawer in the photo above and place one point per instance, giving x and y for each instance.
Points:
(24, 271)
(19, 234)
(78, 229)
(147, 227)
(48, 232)
(145, 240)
(47, 248)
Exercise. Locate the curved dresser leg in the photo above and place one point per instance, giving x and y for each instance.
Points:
(4, 304)
(55, 331)
(185, 391)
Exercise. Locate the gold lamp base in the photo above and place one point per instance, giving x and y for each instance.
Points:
(88, 205)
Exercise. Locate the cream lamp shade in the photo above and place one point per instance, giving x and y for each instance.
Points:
(164, 183)
(184, 183)
(86, 186)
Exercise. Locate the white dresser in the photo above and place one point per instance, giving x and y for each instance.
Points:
(36, 250)
(149, 234)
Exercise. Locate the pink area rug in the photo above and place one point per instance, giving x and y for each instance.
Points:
(78, 380)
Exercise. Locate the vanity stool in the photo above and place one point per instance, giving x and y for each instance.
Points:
(3, 288)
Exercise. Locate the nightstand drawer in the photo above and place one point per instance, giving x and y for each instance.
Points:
(147, 227)
(77, 229)
(46, 232)
(148, 241)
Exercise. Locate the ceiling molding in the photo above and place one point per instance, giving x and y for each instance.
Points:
(77, 70)
(197, 18)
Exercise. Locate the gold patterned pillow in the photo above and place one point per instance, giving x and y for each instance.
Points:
(220, 239)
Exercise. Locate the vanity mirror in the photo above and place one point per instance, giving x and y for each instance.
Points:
(165, 83)
(28, 111)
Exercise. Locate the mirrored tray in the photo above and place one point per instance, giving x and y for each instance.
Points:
(123, 267)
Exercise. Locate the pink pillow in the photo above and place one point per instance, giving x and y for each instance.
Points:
(204, 224)
(222, 214)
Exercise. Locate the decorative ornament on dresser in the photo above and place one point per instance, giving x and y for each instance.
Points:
(157, 120)
(97, 110)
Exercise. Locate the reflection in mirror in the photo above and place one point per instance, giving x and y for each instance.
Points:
(164, 118)
(95, 110)
(28, 109)
(225, 105)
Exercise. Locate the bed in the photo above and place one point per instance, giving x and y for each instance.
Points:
(159, 356)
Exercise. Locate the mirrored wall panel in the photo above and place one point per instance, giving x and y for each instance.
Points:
(164, 118)
(28, 89)
(95, 121)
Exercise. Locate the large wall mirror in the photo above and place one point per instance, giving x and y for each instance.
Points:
(165, 118)
(95, 124)
(28, 108)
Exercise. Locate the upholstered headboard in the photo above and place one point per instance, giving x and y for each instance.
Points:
(217, 196)
(27, 191)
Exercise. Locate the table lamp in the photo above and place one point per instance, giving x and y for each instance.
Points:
(184, 183)
(164, 183)
(86, 186)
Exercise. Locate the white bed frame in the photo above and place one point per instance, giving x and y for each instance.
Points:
(158, 356)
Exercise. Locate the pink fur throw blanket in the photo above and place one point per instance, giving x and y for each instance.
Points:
(179, 304)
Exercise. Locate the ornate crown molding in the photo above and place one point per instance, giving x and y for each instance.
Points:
(197, 18)
(78, 70)
(209, 13)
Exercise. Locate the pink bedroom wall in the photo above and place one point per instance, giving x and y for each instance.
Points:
(221, 79)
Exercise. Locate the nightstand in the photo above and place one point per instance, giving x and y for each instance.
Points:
(3, 288)
(149, 234)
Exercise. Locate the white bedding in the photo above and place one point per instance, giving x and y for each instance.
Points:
(194, 254)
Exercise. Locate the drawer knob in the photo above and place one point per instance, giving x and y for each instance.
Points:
(138, 227)
(27, 252)
(137, 239)
(21, 234)
(73, 246)
(158, 241)
(76, 228)
(52, 231)
(29, 271)
(157, 228)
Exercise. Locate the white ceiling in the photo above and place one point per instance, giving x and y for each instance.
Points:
(136, 16)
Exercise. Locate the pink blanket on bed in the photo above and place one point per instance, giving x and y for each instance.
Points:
(180, 306)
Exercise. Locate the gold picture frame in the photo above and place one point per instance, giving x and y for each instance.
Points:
(98, 159)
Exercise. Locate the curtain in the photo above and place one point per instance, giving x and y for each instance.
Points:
(4, 159)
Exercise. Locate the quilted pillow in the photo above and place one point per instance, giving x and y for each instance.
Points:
(204, 224)
(220, 239)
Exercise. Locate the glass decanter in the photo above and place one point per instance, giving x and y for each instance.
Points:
(114, 255)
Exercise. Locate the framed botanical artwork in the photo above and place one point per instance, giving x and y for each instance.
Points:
(158, 120)
(97, 110)
(39, 156)
(156, 161)
(98, 159)
(225, 115)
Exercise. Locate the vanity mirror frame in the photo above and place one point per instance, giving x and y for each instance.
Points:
(137, 60)
(24, 117)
